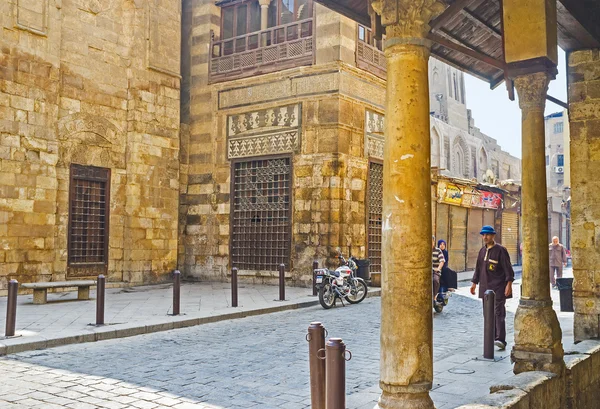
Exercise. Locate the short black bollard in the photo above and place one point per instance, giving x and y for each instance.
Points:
(489, 323)
(100, 290)
(315, 267)
(176, 291)
(234, 287)
(316, 359)
(281, 282)
(11, 308)
(335, 374)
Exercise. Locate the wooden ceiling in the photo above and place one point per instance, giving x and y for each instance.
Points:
(468, 35)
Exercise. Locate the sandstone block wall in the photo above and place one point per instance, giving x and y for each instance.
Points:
(96, 84)
(584, 118)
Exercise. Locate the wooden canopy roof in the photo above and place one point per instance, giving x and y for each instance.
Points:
(468, 35)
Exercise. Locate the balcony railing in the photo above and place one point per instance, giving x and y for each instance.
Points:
(275, 49)
(370, 58)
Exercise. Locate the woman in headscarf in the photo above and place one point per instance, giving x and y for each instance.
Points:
(449, 277)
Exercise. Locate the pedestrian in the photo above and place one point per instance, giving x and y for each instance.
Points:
(494, 271)
(558, 260)
(437, 262)
(449, 277)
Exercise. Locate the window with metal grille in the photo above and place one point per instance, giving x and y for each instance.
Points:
(261, 222)
(375, 211)
(88, 215)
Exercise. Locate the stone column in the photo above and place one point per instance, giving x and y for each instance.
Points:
(538, 337)
(264, 14)
(406, 299)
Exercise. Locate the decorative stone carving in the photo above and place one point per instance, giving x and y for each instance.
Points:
(106, 131)
(32, 15)
(407, 18)
(532, 89)
(265, 132)
(374, 134)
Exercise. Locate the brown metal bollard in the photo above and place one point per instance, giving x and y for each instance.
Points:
(11, 308)
(176, 292)
(316, 344)
(100, 289)
(315, 266)
(335, 374)
(489, 323)
(234, 287)
(281, 282)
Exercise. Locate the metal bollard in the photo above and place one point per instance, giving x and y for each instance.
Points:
(234, 287)
(335, 374)
(100, 289)
(176, 292)
(11, 308)
(489, 324)
(316, 344)
(315, 266)
(281, 282)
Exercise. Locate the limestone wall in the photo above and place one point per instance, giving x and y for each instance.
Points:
(96, 84)
(579, 388)
(584, 117)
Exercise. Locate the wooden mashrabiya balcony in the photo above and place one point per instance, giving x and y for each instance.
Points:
(261, 52)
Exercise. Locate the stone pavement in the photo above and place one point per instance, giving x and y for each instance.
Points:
(257, 362)
(138, 310)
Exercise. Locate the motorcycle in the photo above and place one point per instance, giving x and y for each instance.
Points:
(341, 284)
(441, 300)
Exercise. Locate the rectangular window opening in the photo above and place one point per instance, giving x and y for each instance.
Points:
(88, 215)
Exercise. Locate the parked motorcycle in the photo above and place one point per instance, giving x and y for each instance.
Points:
(341, 284)
(441, 300)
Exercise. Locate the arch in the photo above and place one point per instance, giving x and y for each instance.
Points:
(482, 160)
(460, 157)
(88, 124)
(436, 148)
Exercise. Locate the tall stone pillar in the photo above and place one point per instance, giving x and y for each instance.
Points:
(406, 299)
(538, 337)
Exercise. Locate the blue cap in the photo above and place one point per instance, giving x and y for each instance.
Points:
(487, 230)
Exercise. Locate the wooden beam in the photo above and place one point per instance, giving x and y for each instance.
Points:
(557, 101)
(482, 24)
(586, 13)
(334, 5)
(454, 45)
(450, 12)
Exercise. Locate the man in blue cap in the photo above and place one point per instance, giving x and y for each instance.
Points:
(494, 271)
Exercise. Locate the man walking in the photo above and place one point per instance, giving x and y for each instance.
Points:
(558, 260)
(494, 271)
(437, 262)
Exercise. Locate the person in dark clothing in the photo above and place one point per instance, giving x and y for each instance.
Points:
(494, 271)
(449, 277)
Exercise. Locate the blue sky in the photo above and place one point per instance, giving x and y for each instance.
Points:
(499, 117)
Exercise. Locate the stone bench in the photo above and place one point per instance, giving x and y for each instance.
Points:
(40, 290)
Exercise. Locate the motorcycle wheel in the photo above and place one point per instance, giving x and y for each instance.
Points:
(438, 307)
(359, 295)
(326, 296)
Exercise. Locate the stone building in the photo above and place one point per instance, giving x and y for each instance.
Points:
(89, 139)
(284, 103)
(558, 173)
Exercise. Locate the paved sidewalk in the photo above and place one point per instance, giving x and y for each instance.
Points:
(138, 310)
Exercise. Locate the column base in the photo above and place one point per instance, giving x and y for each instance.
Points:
(538, 339)
(405, 401)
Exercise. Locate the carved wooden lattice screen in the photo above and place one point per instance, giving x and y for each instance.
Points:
(375, 203)
(261, 222)
(88, 215)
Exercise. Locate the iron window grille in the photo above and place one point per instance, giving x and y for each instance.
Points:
(375, 212)
(89, 198)
(261, 219)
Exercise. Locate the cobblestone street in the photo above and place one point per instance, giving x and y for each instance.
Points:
(254, 362)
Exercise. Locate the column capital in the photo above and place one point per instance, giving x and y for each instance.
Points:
(264, 3)
(532, 90)
(407, 19)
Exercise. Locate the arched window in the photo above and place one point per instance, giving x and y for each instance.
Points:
(435, 149)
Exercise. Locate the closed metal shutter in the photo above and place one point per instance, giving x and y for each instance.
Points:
(510, 234)
(457, 247)
(474, 242)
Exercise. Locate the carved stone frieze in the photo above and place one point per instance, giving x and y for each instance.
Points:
(264, 132)
(374, 134)
(85, 123)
